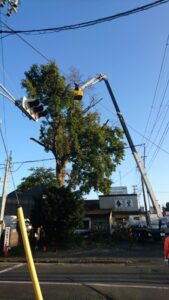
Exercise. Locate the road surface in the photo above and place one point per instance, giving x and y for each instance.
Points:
(87, 281)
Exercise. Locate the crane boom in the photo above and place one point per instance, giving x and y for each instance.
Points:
(98, 78)
(134, 151)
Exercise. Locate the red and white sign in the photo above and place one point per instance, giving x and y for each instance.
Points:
(6, 239)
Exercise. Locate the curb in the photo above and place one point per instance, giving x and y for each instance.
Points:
(84, 260)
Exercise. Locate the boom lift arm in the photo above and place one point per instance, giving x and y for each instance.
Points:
(79, 93)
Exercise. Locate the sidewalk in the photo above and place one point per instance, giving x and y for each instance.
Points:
(121, 253)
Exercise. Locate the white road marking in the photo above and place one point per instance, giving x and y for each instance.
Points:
(90, 284)
(11, 268)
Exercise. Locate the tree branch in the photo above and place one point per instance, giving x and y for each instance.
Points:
(93, 103)
(35, 140)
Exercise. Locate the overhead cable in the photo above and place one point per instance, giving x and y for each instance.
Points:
(157, 85)
(88, 23)
(3, 141)
(159, 144)
(26, 42)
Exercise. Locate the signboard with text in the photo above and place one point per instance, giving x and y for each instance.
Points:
(126, 202)
(7, 237)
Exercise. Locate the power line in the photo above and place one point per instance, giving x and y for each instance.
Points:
(26, 42)
(3, 78)
(138, 132)
(3, 141)
(30, 45)
(161, 113)
(157, 85)
(160, 129)
(165, 151)
(159, 110)
(159, 144)
(31, 161)
(88, 23)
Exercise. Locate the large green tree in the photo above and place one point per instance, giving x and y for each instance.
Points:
(73, 133)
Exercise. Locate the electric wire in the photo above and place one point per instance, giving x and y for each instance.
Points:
(156, 121)
(160, 143)
(26, 162)
(161, 113)
(32, 161)
(32, 47)
(147, 139)
(3, 78)
(159, 131)
(3, 141)
(26, 42)
(6, 151)
(89, 23)
(135, 130)
(157, 85)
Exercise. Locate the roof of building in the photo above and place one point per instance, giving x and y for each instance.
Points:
(115, 195)
(98, 212)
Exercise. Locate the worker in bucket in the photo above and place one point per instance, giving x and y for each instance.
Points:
(166, 249)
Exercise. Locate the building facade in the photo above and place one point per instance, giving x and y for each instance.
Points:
(100, 214)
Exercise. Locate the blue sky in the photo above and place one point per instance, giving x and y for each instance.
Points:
(128, 50)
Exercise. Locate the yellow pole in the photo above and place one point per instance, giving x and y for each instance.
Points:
(28, 253)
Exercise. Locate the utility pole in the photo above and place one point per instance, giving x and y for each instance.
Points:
(134, 189)
(143, 189)
(4, 192)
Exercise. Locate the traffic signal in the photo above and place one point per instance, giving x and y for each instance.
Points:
(34, 109)
(2, 3)
(12, 6)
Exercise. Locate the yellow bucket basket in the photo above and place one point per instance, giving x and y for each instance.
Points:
(78, 95)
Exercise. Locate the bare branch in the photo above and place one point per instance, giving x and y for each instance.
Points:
(74, 76)
(93, 103)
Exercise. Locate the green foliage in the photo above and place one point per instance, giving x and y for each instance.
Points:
(73, 134)
(39, 177)
(59, 211)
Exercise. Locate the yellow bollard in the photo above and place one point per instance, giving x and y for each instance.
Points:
(28, 253)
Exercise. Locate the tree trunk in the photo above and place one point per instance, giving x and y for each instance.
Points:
(60, 172)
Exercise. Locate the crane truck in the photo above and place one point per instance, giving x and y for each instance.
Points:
(149, 230)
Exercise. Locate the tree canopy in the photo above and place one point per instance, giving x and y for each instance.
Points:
(86, 151)
(38, 177)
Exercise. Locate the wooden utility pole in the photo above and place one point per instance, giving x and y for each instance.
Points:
(4, 192)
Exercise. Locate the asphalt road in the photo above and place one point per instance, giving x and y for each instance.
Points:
(129, 281)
